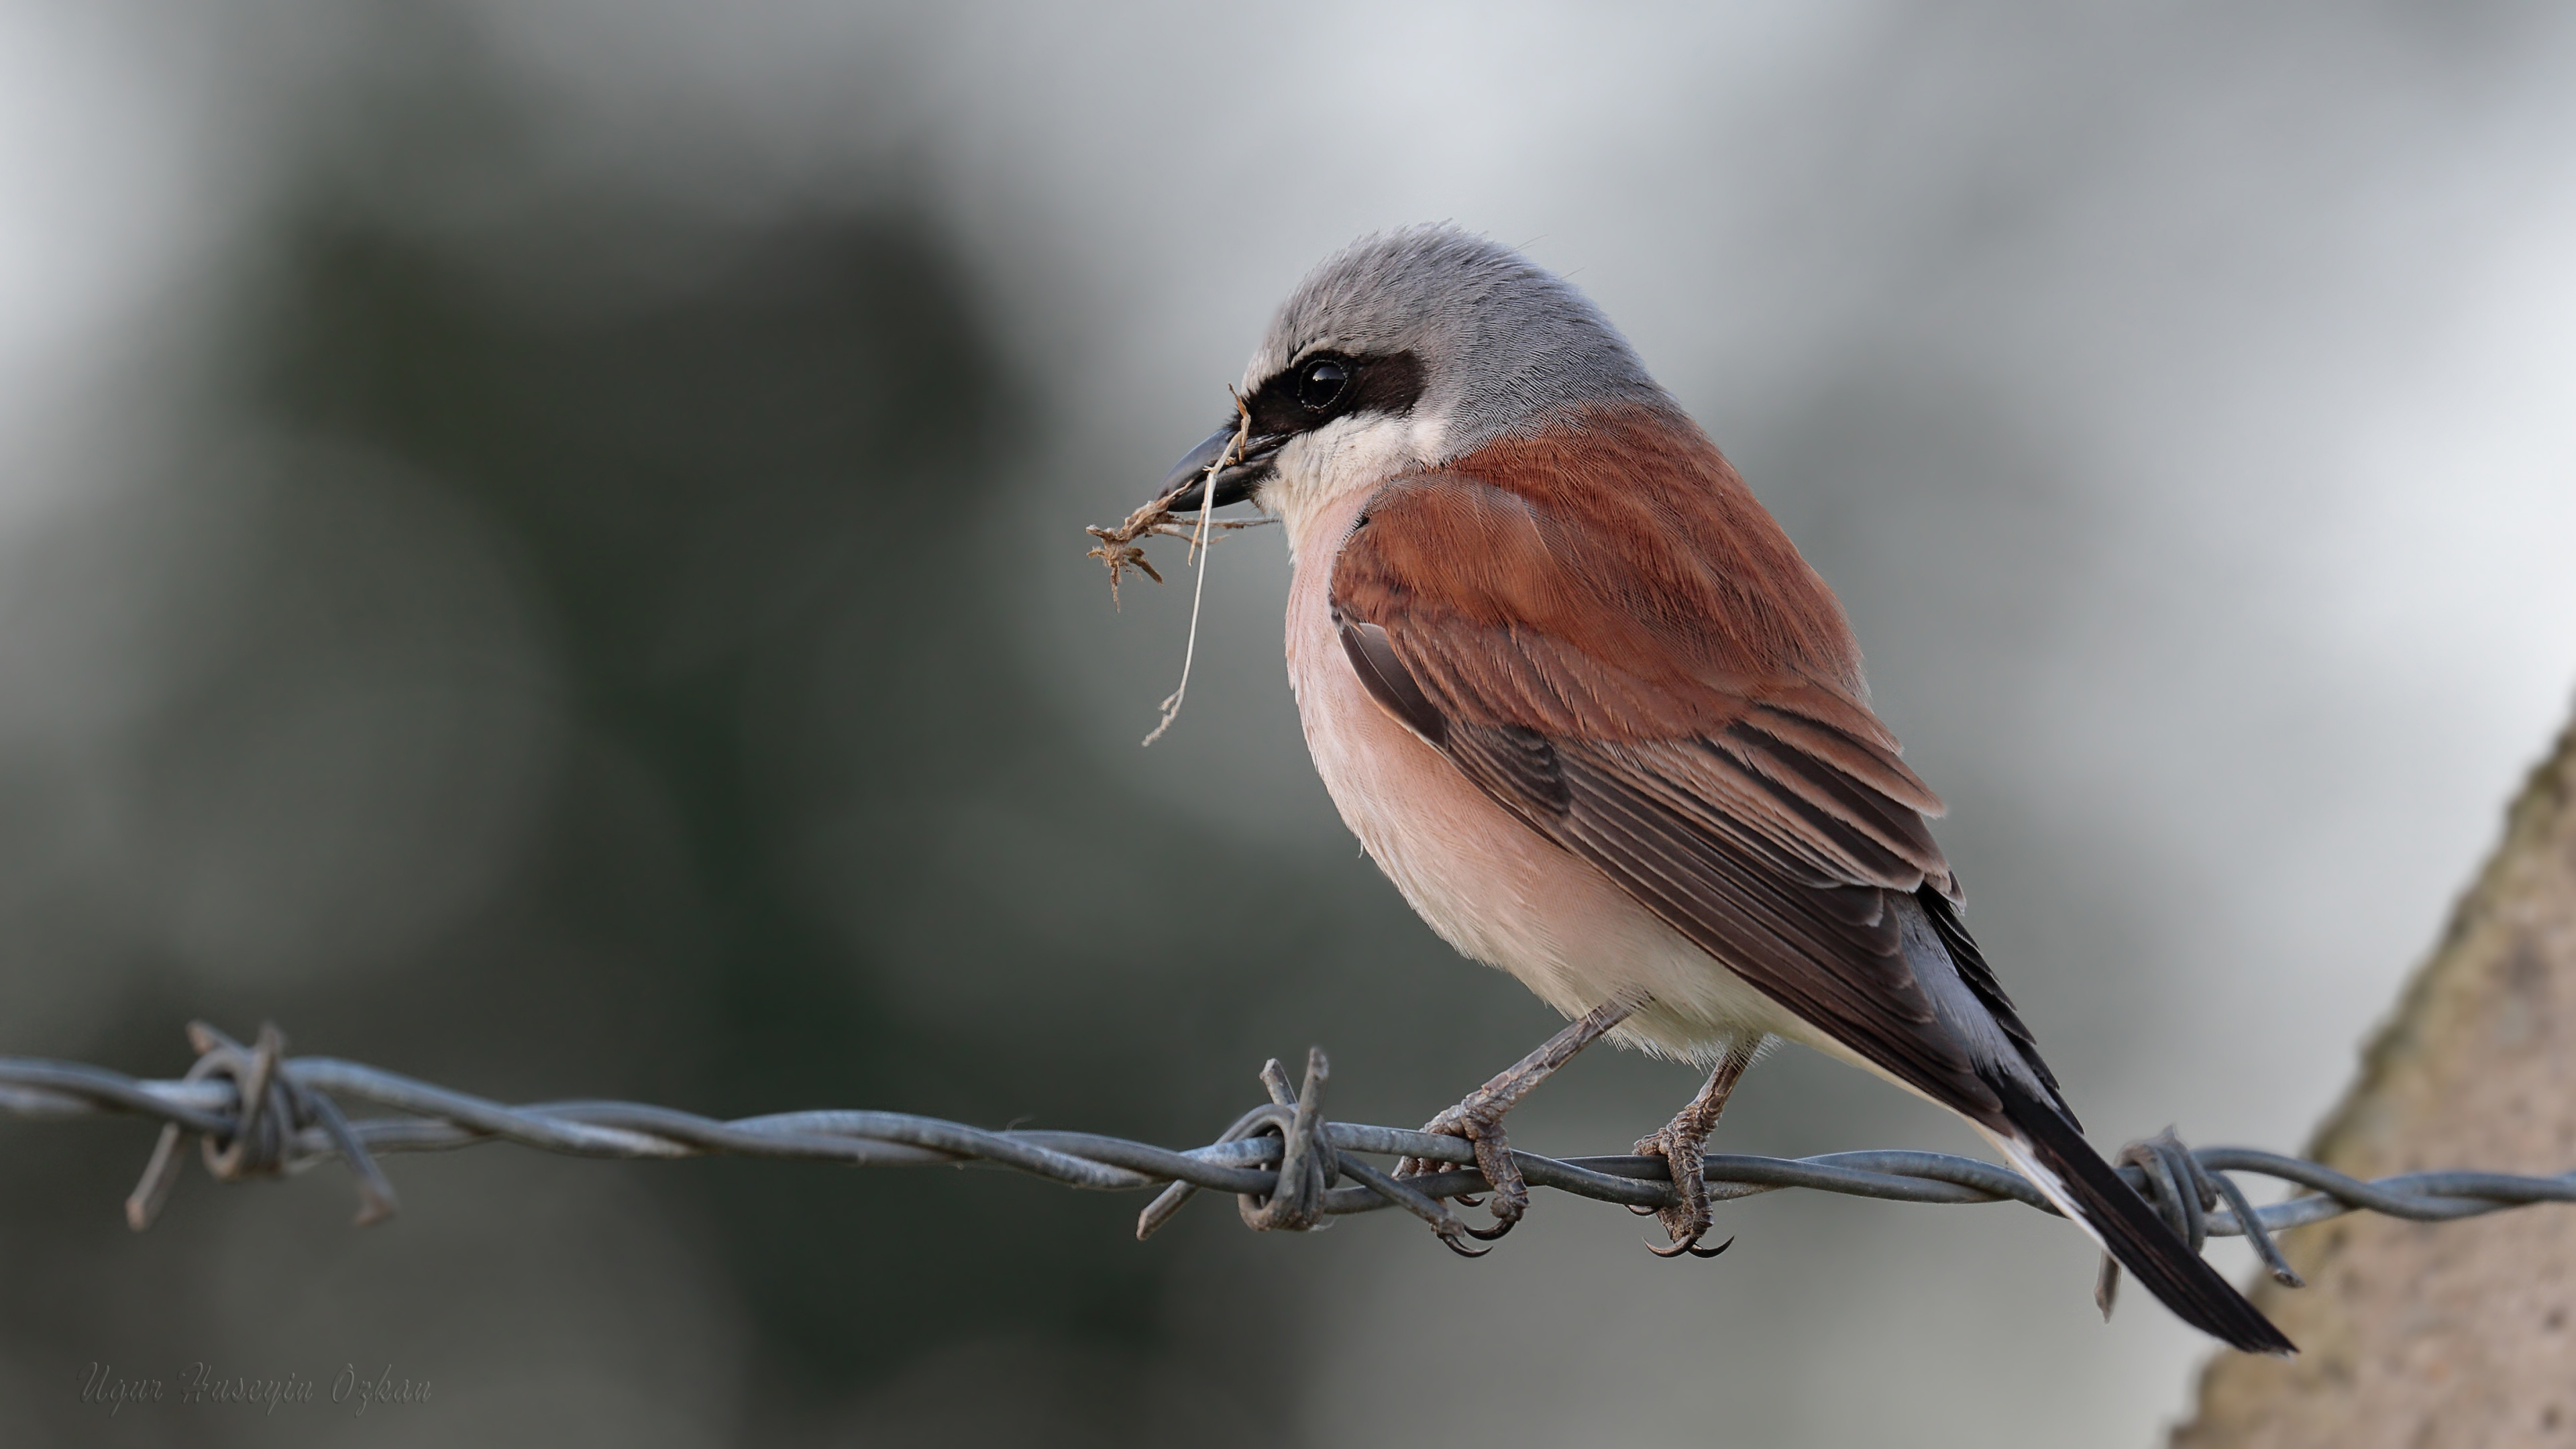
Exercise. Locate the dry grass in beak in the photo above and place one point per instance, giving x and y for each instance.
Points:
(1119, 551)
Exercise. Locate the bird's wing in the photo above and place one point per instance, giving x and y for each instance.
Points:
(1643, 670)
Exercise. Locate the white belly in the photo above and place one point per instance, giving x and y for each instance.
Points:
(1488, 884)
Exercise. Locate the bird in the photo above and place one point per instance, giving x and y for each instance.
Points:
(1585, 704)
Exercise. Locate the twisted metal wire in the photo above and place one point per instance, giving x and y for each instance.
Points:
(257, 1112)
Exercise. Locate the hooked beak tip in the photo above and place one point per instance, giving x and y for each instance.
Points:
(1185, 486)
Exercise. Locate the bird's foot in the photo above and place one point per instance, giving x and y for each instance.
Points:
(1681, 1146)
(1479, 1119)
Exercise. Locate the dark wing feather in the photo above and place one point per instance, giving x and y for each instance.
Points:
(1980, 979)
(1806, 926)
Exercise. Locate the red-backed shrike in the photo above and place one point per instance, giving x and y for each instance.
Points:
(1584, 703)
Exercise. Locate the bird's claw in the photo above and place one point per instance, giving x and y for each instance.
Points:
(1450, 1241)
(1481, 1123)
(1688, 1220)
(1691, 1246)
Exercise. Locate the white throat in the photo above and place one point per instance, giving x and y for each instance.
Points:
(1355, 454)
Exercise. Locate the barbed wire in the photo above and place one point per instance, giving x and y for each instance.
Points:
(257, 1112)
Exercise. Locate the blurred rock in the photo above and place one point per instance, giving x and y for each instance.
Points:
(2451, 1334)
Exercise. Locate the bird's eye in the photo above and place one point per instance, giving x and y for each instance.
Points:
(1322, 384)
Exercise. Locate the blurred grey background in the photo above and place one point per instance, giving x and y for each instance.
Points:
(540, 547)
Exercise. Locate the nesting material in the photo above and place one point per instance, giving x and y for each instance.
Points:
(1119, 550)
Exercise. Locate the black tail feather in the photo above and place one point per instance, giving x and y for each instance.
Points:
(2142, 1241)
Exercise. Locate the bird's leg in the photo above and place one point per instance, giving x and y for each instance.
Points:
(1479, 1117)
(1681, 1145)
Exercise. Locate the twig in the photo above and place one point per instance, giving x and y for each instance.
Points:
(1199, 555)
(1118, 548)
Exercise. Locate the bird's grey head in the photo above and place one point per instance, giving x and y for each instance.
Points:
(1407, 349)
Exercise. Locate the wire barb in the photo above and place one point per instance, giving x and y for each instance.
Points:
(258, 1113)
(1307, 1165)
(270, 1110)
(2185, 1191)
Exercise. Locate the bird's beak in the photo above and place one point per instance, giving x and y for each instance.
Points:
(1182, 486)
